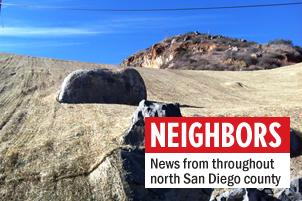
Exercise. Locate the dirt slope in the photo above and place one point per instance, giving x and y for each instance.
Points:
(48, 150)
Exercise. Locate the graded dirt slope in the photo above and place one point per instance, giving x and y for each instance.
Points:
(48, 150)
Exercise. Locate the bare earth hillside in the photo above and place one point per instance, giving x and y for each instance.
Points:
(49, 151)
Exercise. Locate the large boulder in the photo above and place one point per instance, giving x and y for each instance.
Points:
(124, 86)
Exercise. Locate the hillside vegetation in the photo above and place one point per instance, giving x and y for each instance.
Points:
(196, 51)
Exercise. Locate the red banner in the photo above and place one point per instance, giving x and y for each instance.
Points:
(217, 134)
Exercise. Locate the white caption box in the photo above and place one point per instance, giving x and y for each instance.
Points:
(202, 173)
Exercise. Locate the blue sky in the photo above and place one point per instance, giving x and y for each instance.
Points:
(106, 37)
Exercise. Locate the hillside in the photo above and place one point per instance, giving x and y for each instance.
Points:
(51, 151)
(196, 51)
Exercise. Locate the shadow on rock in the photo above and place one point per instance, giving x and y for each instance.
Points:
(180, 105)
(189, 106)
(295, 143)
(265, 194)
(134, 165)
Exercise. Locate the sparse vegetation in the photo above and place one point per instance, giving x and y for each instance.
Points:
(191, 50)
(281, 41)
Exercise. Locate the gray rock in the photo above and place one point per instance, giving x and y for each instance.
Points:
(124, 86)
(295, 143)
(124, 169)
(265, 194)
(238, 194)
(135, 135)
(249, 194)
(293, 193)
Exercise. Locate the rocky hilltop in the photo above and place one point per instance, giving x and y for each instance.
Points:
(196, 51)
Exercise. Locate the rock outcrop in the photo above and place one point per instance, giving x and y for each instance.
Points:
(135, 135)
(103, 86)
(197, 51)
(237, 194)
(124, 170)
(294, 193)
(295, 143)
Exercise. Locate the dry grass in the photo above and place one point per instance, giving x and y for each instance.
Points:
(47, 149)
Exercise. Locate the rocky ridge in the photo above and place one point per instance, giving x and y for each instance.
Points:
(196, 51)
